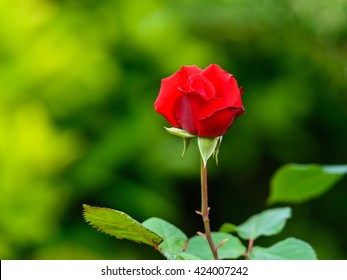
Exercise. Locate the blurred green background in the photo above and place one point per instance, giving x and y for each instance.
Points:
(77, 84)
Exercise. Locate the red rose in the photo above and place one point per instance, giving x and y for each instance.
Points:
(202, 102)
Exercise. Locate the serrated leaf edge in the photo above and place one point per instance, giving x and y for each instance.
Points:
(156, 246)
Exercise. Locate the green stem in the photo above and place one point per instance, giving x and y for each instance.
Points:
(205, 210)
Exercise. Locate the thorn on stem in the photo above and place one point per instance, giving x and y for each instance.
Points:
(198, 212)
(222, 243)
(201, 234)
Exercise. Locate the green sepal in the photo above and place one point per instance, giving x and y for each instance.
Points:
(208, 147)
(185, 135)
(179, 132)
(216, 150)
(186, 142)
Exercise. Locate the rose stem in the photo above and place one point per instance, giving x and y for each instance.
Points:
(205, 210)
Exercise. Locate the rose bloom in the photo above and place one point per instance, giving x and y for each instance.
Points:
(202, 102)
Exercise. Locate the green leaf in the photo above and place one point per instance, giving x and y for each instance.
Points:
(119, 225)
(268, 222)
(207, 147)
(299, 182)
(232, 249)
(175, 240)
(288, 249)
(228, 227)
(187, 256)
(179, 256)
(335, 169)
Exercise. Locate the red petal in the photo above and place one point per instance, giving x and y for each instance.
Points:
(224, 83)
(219, 122)
(188, 108)
(191, 109)
(201, 85)
(169, 92)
